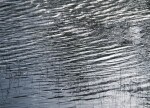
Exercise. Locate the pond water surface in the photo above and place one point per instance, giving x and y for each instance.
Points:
(74, 54)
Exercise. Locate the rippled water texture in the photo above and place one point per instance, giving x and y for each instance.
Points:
(74, 54)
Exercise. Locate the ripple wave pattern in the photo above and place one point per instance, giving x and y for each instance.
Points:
(74, 54)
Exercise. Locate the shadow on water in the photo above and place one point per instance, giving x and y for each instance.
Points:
(74, 54)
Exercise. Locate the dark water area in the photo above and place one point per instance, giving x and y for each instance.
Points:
(74, 54)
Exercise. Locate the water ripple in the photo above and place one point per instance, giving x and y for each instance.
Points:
(74, 54)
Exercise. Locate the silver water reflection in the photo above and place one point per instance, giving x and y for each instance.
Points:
(74, 54)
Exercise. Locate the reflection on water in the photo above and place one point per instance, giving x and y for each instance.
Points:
(74, 54)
